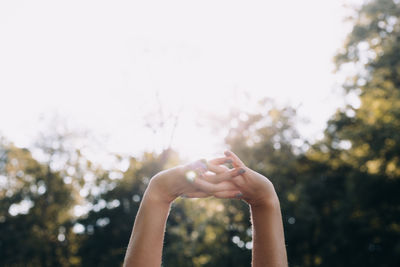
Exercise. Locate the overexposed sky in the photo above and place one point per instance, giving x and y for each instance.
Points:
(101, 64)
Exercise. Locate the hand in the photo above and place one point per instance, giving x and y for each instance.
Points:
(255, 188)
(190, 180)
(226, 188)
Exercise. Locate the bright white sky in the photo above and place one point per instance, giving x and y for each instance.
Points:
(100, 64)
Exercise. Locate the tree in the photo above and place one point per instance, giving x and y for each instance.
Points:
(108, 225)
(34, 206)
(353, 174)
(268, 142)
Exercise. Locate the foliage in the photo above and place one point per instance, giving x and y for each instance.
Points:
(35, 205)
(339, 196)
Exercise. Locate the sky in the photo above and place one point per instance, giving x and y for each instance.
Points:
(108, 67)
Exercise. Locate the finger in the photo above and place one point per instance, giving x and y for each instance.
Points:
(215, 165)
(198, 164)
(191, 174)
(236, 160)
(239, 182)
(228, 186)
(219, 161)
(200, 171)
(208, 187)
(196, 195)
(228, 194)
(217, 168)
(225, 176)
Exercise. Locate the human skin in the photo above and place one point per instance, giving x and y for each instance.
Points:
(268, 235)
(145, 245)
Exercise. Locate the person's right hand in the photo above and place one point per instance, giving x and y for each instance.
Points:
(255, 189)
(190, 181)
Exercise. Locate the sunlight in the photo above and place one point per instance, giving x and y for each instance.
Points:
(150, 90)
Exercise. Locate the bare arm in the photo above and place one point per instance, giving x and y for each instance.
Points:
(268, 236)
(145, 244)
(146, 241)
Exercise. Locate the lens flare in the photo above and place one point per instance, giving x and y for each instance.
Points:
(190, 176)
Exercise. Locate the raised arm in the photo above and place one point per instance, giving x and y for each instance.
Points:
(145, 244)
(146, 241)
(268, 236)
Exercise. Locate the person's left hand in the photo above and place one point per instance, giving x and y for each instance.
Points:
(218, 174)
(192, 181)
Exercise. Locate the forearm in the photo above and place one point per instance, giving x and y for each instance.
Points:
(268, 236)
(146, 241)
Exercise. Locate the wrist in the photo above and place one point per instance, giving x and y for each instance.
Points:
(155, 192)
(268, 199)
(268, 203)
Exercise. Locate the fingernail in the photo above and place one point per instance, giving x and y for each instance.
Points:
(227, 153)
(239, 195)
(241, 171)
(228, 161)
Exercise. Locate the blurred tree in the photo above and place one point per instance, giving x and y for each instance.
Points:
(34, 212)
(339, 197)
(351, 178)
(108, 225)
(207, 232)
(267, 141)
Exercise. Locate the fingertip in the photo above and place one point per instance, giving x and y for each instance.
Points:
(241, 171)
(227, 153)
(198, 164)
(233, 172)
(237, 172)
(239, 195)
(228, 161)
